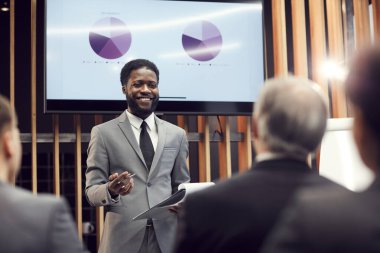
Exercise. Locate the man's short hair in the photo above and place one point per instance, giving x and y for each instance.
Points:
(363, 87)
(137, 64)
(5, 114)
(291, 116)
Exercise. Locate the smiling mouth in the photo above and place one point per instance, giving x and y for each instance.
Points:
(145, 98)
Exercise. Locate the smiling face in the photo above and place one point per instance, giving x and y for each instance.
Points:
(142, 92)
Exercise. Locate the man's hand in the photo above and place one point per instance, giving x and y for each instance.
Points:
(120, 184)
(175, 208)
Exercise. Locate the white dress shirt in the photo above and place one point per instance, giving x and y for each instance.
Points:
(136, 127)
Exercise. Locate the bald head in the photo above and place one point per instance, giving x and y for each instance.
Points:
(291, 116)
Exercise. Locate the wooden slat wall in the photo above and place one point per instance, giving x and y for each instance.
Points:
(12, 54)
(99, 210)
(318, 55)
(33, 106)
(224, 146)
(336, 53)
(376, 19)
(362, 34)
(299, 38)
(57, 181)
(78, 175)
(12, 60)
(279, 38)
(244, 146)
(318, 42)
(204, 150)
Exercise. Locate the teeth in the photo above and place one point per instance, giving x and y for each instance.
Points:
(145, 99)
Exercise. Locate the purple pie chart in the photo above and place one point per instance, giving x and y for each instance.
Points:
(110, 38)
(202, 40)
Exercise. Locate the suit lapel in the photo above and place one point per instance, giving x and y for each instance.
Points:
(125, 127)
(160, 144)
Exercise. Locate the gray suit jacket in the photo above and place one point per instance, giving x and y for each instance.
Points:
(113, 148)
(35, 224)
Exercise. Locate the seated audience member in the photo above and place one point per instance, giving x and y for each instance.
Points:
(342, 221)
(236, 215)
(29, 223)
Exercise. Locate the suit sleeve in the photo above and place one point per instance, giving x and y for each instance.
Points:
(62, 232)
(97, 172)
(180, 173)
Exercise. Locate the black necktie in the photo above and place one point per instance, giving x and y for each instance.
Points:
(146, 145)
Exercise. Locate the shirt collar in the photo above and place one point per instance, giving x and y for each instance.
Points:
(136, 121)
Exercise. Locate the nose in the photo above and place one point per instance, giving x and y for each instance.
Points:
(145, 88)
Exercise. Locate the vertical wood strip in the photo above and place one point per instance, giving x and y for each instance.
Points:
(100, 209)
(224, 146)
(336, 53)
(318, 43)
(12, 54)
(56, 166)
(279, 38)
(33, 64)
(182, 123)
(299, 38)
(244, 146)
(204, 150)
(78, 175)
(376, 19)
(362, 33)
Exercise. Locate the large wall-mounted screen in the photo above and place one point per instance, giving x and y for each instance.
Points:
(210, 54)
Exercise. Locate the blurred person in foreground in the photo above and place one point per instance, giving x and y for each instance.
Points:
(29, 223)
(341, 221)
(236, 215)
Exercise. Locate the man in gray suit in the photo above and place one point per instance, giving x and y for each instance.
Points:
(29, 223)
(140, 145)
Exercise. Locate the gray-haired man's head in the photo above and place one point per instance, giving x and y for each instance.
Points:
(289, 117)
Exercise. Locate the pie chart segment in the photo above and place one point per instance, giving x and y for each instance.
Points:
(202, 40)
(110, 38)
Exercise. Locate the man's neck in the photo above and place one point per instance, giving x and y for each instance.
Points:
(4, 174)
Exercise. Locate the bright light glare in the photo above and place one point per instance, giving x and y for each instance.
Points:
(333, 70)
(156, 25)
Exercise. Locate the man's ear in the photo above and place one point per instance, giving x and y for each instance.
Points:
(124, 89)
(7, 143)
(255, 133)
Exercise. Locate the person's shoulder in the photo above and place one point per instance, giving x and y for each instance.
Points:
(225, 188)
(22, 198)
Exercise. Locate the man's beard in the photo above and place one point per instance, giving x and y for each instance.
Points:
(142, 113)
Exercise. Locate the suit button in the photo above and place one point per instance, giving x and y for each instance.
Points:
(104, 201)
(149, 184)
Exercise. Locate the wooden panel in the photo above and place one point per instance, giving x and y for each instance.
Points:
(78, 175)
(244, 146)
(224, 146)
(12, 54)
(336, 53)
(279, 38)
(362, 34)
(33, 106)
(318, 42)
(299, 38)
(204, 150)
(182, 123)
(376, 19)
(56, 167)
(100, 209)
